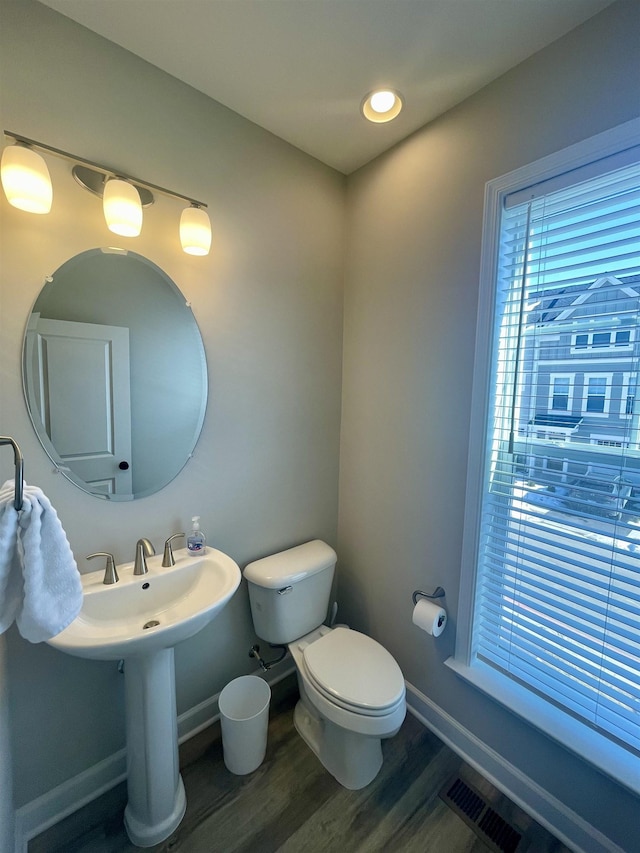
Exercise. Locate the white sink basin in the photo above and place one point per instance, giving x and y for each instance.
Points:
(144, 613)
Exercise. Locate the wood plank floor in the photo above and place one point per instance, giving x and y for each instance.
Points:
(292, 805)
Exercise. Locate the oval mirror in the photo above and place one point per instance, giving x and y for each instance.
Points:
(114, 374)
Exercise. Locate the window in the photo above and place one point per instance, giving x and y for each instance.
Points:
(560, 396)
(549, 619)
(597, 394)
(628, 395)
(617, 340)
(607, 440)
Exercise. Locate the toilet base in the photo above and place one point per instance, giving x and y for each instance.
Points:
(354, 760)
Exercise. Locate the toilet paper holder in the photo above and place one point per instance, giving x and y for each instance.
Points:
(437, 593)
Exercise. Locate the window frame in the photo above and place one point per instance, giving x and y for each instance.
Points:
(590, 745)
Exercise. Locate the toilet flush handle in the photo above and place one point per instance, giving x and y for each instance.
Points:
(285, 590)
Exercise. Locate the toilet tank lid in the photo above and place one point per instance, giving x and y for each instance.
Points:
(291, 566)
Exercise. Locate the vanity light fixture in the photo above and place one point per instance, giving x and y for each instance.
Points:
(381, 105)
(122, 208)
(25, 179)
(195, 231)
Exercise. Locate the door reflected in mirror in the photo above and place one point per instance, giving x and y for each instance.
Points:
(115, 374)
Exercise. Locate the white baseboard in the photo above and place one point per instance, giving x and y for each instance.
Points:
(44, 812)
(548, 811)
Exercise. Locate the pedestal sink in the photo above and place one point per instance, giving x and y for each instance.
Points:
(140, 619)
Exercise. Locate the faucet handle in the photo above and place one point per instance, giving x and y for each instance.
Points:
(110, 573)
(167, 558)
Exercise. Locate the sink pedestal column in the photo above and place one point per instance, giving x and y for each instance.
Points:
(156, 795)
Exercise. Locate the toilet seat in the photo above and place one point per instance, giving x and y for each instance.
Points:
(354, 672)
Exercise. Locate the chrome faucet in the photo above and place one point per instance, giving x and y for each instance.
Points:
(144, 549)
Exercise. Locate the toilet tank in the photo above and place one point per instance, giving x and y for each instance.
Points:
(289, 592)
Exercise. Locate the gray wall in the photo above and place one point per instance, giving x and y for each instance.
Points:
(415, 225)
(268, 301)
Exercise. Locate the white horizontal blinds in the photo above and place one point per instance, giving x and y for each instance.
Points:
(558, 599)
(628, 156)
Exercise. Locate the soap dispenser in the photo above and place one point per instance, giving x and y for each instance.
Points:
(196, 542)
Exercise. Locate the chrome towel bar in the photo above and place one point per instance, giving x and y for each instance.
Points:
(19, 463)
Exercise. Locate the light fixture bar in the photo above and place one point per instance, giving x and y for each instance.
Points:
(33, 143)
(95, 182)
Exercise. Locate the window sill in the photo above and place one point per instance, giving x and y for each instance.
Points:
(597, 750)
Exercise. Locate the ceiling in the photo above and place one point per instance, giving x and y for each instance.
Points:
(300, 68)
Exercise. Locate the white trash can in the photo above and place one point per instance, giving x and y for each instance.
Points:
(244, 717)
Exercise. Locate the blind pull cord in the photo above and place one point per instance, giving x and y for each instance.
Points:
(516, 366)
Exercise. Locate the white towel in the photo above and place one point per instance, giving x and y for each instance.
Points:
(41, 569)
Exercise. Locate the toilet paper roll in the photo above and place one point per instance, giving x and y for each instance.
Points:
(430, 617)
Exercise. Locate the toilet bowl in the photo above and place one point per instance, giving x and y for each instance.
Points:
(352, 692)
(345, 708)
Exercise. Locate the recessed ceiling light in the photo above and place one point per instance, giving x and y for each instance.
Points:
(381, 105)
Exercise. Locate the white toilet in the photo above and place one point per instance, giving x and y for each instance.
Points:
(352, 691)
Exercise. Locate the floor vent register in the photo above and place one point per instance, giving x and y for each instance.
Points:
(497, 833)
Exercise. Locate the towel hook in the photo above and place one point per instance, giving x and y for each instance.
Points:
(19, 464)
(437, 593)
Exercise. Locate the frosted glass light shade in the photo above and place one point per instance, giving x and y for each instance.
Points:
(26, 180)
(122, 208)
(195, 231)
